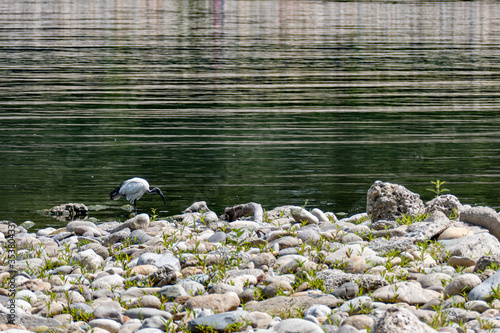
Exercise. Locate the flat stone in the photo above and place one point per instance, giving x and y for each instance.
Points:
(408, 292)
(107, 324)
(434, 279)
(220, 322)
(485, 217)
(143, 312)
(109, 310)
(334, 278)
(473, 247)
(456, 261)
(300, 215)
(216, 302)
(483, 291)
(172, 292)
(280, 305)
(401, 320)
(462, 283)
(347, 290)
(296, 325)
(453, 233)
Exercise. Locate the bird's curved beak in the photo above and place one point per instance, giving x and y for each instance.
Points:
(163, 197)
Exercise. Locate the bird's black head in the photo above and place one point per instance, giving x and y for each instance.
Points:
(158, 191)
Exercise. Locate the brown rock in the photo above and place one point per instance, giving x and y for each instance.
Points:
(144, 270)
(216, 302)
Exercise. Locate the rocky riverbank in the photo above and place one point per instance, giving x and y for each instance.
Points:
(403, 266)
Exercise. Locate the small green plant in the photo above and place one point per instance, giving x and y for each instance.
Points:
(154, 216)
(440, 318)
(486, 324)
(495, 292)
(438, 190)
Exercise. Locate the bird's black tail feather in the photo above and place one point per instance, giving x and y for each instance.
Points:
(115, 194)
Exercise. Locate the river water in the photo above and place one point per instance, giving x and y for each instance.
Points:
(231, 101)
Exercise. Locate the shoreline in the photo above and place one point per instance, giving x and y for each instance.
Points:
(287, 269)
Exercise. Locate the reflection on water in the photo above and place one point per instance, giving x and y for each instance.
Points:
(231, 101)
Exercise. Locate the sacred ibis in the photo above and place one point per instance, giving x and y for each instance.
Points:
(133, 189)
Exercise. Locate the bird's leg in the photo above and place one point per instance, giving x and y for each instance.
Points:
(135, 206)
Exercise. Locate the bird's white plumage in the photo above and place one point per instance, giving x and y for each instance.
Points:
(134, 188)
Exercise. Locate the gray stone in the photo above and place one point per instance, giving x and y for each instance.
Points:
(27, 320)
(409, 292)
(462, 283)
(322, 217)
(107, 282)
(215, 302)
(218, 237)
(300, 215)
(334, 278)
(347, 290)
(88, 258)
(116, 237)
(484, 291)
(97, 248)
(456, 261)
(296, 325)
(383, 245)
(474, 246)
(148, 258)
(386, 201)
(168, 259)
(309, 235)
(360, 322)
(82, 307)
(263, 259)
(383, 225)
(109, 310)
(165, 275)
(485, 217)
(140, 313)
(236, 212)
(222, 288)
(435, 224)
(487, 262)
(401, 320)
(434, 279)
(199, 207)
(78, 226)
(172, 292)
(346, 328)
(157, 322)
(139, 236)
(192, 287)
(220, 322)
(478, 306)
(318, 310)
(355, 305)
(447, 204)
(107, 324)
(70, 210)
(149, 330)
(285, 242)
(458, 315)
(140, 221)
(279, 305)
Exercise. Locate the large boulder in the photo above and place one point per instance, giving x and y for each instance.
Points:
(399, 319)
(473, 247)
(448, 204)
(485, 217)
(387, 201)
